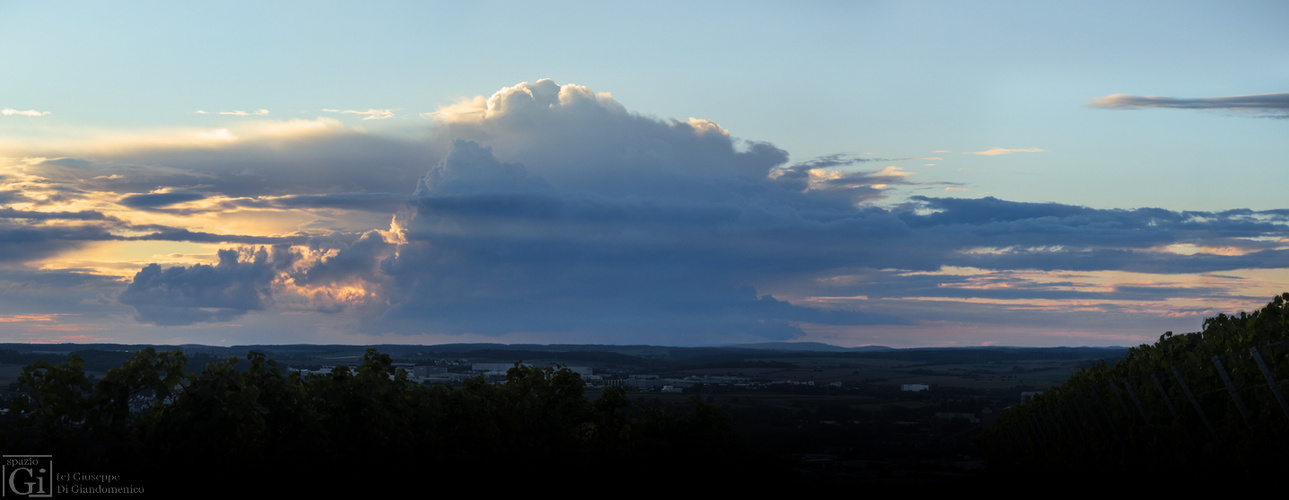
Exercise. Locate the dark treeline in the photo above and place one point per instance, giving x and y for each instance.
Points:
(169, 429)
(1212, 402)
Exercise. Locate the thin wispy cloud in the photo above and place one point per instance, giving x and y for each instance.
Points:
(1269, 105)
(1005, 151)
(371, 114)
(17, 112)
(833, 161)
(258, 112)
(844, 160)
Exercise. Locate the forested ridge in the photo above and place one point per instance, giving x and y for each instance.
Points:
(1213, 399)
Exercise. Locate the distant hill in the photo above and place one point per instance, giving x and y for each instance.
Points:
(810, 346)
(630, 356)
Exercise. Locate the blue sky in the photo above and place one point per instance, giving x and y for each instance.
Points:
(896, 173)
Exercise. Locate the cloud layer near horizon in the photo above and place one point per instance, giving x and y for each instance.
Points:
(1268, 105)
(550, 208)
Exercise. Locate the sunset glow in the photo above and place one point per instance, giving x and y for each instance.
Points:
(555, 182)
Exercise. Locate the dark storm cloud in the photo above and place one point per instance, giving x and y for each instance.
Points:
(1051, 236)
(9, 213)
(186, 295)
(470, 167)
(366, 202)
(490, 250)
(24, 243)
(612, 240)
(549, 259)
(180, 234)
(29, 235)
(159, 200)
(1269, 105)
(612, 223)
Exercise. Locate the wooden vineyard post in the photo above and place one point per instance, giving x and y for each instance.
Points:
(1194, 402)
(1271, 380)
(1136, 401)
(1230, 387)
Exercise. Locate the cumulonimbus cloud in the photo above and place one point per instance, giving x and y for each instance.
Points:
(1270, 105)
(552, 208)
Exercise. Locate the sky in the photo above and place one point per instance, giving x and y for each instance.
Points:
(907, 174)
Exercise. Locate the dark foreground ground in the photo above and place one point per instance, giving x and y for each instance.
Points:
(830, 420)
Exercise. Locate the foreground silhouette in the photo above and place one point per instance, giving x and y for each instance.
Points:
(354, 429)
(1212, 401)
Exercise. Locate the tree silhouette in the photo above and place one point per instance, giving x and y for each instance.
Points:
(369, 421)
